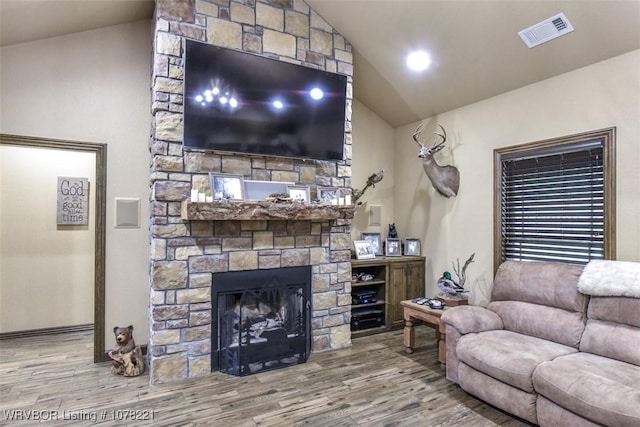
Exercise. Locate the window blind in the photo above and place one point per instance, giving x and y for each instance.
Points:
(552, 205)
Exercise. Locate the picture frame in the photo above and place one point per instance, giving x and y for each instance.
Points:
(393, 247)
(226, 186)
(72, 201)
(363, 249)
(260, 190)
(299, 193)
(376, 242)
(329, 195)
(412, 247)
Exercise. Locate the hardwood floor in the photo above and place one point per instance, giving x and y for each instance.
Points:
(373, 383)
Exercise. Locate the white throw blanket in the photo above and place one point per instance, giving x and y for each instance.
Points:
(610, 278)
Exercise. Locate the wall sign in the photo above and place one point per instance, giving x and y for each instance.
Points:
(73, 201)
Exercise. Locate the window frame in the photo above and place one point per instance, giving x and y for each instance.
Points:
(539, 148)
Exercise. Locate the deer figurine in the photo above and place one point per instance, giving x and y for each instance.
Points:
(445, 179)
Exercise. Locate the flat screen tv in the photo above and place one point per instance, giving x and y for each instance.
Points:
(244, 103)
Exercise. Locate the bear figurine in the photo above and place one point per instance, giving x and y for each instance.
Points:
(127, 357)
(393, 232)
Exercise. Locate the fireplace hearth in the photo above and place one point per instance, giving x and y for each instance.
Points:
(261, 319)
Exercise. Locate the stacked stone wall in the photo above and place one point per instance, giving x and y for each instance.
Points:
(185, 254)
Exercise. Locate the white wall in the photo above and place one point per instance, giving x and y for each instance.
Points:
(46, 270)
(95, 87)
(372, 150)
(603, 95)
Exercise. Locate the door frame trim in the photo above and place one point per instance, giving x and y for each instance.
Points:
(100, 151)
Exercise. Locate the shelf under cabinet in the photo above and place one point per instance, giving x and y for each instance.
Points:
(395, 279)
(370, 304)
(367, 283)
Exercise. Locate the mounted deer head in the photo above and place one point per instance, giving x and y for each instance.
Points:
(445, 179)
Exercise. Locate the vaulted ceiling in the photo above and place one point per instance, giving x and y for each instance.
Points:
(474, 45)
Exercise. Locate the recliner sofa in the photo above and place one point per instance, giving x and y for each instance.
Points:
(548, 353)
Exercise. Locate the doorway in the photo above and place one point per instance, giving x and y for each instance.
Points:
(99, 215)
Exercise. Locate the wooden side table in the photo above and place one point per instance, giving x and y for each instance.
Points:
(431, 317)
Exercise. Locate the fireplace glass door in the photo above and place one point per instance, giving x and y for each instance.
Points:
(264, 326)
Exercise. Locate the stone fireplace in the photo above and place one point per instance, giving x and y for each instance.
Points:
(192, 242)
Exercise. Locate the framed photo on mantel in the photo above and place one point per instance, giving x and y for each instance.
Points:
(227, 187)
(329, 195)
(299, 193)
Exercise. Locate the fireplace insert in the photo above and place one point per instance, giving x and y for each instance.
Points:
(261, 319)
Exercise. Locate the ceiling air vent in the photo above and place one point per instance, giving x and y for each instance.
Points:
(546, 30)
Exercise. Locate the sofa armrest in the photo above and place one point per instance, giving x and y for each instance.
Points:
(471, 318)
(462, 320)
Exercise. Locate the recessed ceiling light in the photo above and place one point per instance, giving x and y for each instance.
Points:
(418, 60)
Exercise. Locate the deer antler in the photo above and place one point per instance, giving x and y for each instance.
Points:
(417, 133)
(442, 135)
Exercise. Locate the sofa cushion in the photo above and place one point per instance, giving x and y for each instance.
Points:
(508, 356)
(550, 323)
(545, 283)
(540, 299)
(615, 309)
(600, 389)
(499, 394)
(613, 328)
(613, 340)
(551, 415)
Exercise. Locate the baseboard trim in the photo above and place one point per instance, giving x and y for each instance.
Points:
(46, 331)
(60, 330)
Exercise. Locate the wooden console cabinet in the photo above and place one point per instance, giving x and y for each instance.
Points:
(395, 279)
